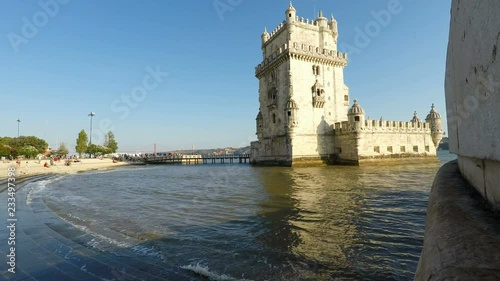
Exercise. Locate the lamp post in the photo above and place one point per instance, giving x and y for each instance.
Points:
(18, 122)
(91, 114)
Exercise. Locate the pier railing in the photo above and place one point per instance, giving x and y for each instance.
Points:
(198, 159)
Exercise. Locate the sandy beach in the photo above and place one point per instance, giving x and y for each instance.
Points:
(35, 167)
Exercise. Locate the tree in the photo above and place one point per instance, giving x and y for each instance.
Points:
(97, 149)
(5, 150)
(18, 146)
(28, 150)
(63, 150)
(110, 142)
(39, 144)
(81, 143)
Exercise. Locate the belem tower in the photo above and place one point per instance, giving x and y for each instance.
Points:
(305, 114)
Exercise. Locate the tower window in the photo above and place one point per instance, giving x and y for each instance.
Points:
(376, 149)
(415, 148)
(346, 98)
(289, 113)
(289, 15)
(389, 149)
(427, 148)
(274, 118)
(316, 69)
(356, 118)
(403, 149)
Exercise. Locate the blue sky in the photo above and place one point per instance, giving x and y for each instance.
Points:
(85, 56)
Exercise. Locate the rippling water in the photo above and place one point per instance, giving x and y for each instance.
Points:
(242, 222)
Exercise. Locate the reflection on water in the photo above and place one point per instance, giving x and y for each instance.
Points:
(308, 223)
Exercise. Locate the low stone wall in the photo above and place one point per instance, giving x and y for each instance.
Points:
(462, 234)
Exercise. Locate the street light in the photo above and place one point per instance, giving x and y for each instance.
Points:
(91, 114)
(18, 122)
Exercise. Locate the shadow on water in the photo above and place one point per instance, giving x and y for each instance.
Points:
(232, 222)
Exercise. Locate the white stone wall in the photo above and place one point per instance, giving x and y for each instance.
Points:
(416, 143)
(473, 92)
(383, 139)
(276, 41)
(277, 126)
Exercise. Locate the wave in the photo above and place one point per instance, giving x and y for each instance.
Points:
(39, 186)
(144, 251)
(205, 272)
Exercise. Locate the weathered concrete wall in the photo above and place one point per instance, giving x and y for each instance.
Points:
(473, 93)
(462, 235)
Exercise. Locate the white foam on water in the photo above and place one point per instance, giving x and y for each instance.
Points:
(38, 186)
(205, 271)
(147, 251)
(99, 239)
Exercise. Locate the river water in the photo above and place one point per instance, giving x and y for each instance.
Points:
(238, 222)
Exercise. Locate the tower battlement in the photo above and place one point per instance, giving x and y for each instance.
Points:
(377, 126)
(303, 52)
(301, 23)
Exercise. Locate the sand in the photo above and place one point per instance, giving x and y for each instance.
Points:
(35, 167)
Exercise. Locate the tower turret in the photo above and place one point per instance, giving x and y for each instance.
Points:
(290, 13)
(333, 25)
(334, 28)
(321, 20)
(259, 125)
(291, 113)
(415, 118)
(434, 118)
(265, 36)
(356, 116)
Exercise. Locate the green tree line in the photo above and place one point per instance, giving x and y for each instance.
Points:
(109, 146)
(28, 146)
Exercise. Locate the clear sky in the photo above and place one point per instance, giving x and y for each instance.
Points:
(61, 62)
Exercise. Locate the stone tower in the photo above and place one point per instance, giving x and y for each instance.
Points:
(301, 91)
(434, 118)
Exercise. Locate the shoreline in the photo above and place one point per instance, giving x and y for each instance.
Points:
(35, 167)
(47, 247)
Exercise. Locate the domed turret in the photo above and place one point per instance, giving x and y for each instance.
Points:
(291, 104)
(356, 109)
(433, 114)
(290, 13)
(259, 122)
(356, 116)
(291, 113)
(265, 36)
(321, 20)
(333, 25)
(415, 118)
(434, 119)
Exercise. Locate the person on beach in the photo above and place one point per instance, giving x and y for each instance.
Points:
(27, 167)
(46, 165)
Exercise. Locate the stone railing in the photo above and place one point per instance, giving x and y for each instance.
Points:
(383, 126)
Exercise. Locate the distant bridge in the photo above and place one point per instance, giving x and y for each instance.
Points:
(198, 159)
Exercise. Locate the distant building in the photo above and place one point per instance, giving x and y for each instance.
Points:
(305, 114)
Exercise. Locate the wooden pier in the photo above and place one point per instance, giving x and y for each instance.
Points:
(201, 159)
